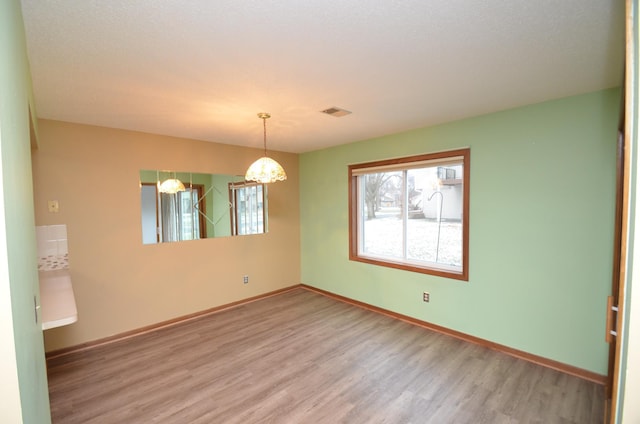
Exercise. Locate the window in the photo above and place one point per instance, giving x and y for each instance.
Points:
(190, 221)
(247, 200)
(180, 216)
(412, 213)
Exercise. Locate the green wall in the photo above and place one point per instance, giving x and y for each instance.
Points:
(541, 228)
(17, 218)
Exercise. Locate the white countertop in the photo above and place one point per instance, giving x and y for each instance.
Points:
(57, 301)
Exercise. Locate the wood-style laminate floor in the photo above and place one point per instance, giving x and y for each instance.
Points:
(300, 357)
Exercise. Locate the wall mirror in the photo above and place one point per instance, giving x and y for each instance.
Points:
(199, 206)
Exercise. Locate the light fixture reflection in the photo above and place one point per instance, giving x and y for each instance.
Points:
(171, 186)
(265, 170)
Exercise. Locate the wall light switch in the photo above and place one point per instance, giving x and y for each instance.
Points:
(53, 206)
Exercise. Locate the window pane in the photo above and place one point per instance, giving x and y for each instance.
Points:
(434, 226)
(382, 214)
(259, 228)
(188, 223)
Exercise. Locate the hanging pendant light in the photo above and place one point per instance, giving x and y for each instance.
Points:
(265, 170)
(171, 186)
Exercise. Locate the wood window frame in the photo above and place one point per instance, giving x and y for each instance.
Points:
(354, 217)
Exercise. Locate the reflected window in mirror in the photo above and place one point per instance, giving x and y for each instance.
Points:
(212, 205)
(173, 216)
(247, 199)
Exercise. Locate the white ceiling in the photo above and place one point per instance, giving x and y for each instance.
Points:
(203, 69)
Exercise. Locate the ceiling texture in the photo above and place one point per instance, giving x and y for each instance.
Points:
(203, 69)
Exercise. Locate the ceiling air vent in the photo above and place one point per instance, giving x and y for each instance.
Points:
(336, 111)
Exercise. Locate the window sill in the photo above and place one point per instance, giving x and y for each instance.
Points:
(411, 266)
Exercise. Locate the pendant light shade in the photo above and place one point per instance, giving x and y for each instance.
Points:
(171, 186)
(265, 170)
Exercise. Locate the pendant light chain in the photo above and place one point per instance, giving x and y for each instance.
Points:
(265, 170)
(264, 122)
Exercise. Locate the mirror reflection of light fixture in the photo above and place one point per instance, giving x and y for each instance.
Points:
(171, 186)
(265, 170)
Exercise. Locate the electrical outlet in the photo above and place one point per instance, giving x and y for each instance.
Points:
(425, 297)
(245, 279)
